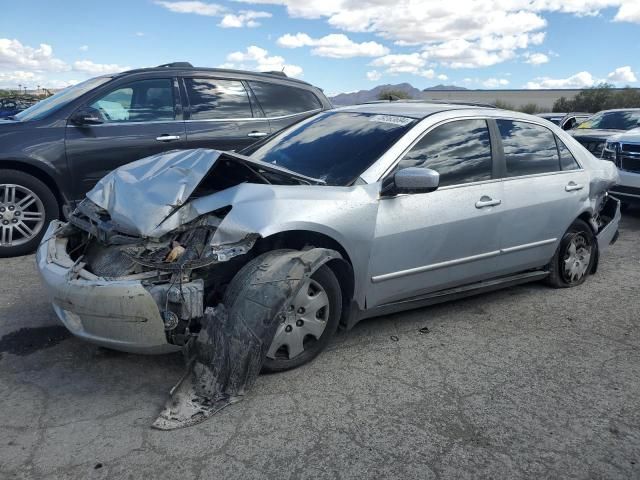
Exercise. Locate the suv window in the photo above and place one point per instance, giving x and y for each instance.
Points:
(211, 98)
(460, 151)
(142, 101)
(567, 160)
(528, 148)
(279, 100)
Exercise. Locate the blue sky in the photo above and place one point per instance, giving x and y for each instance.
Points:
(339, 45)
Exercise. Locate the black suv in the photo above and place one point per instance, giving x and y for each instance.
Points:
(52, 153)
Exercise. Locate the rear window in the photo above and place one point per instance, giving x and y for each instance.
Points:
(280, 100)
(567, 160)
(211, 98)
(335, 147)
(528, 148)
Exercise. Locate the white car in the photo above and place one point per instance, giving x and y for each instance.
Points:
(624, 150)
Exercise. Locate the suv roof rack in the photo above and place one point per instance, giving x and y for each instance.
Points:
(276, 72)
(176, 65)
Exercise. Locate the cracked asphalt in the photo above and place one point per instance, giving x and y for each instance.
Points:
(528, 382)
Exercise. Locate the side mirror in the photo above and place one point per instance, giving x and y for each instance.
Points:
(411, 180)
(86, 116)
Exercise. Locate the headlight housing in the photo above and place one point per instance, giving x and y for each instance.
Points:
(611, 151)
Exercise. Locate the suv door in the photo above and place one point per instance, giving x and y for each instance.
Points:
(220, 114)
(139, 118)
(284, 105)
(543, 189)
(449, 237)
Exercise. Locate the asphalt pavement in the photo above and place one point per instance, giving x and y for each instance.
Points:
(528, 382)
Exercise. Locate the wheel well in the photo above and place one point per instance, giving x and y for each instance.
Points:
(39, 174)
(299, 239)
(588, 219)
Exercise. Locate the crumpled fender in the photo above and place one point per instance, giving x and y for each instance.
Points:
(224, 360)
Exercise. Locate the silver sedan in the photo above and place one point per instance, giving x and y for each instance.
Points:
(400, 205)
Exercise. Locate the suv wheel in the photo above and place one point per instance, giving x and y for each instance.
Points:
(574, 259)
(26, 208)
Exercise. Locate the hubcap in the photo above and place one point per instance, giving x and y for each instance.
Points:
(577, 258)
(21, 215)
(303, 322)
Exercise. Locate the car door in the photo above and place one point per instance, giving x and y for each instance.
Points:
(284, 105)
(220, 115)
(449, 237)
(543, 189)
(137, 119)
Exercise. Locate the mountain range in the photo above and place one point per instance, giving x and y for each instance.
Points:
(362, 96)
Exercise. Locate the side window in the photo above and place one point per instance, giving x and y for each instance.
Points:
(142, 101)
(459, 151)
(279, 100)
(211, 98)
(528, 148)
(567, 160)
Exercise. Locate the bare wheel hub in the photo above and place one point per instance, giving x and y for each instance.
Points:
(22, 215)
(304, 321)
(577, 258)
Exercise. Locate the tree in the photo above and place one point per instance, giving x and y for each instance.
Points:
(393, 94)
(600, 97)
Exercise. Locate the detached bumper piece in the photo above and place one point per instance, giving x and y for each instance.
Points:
(224, 360)
(610, 220)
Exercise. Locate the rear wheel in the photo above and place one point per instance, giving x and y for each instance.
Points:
(574, 259)
(26, 208)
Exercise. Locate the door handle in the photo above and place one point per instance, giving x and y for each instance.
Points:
(572, 186)
(486, 201)
(168, 138)
(257, 134)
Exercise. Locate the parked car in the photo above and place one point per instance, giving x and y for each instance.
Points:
(623, 149)
(566, 121)
(594, 132)
(416, 203)
(54, 152)
(10, 106)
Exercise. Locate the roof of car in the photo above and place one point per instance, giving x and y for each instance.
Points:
(620, 110)
(186, 67)
(417, 110)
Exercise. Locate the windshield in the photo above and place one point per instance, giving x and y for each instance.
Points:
(60, 99)
(620, 120)
(335, 147)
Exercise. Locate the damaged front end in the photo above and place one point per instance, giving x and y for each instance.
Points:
(142, 254)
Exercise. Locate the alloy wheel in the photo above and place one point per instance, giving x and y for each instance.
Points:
(22, 215)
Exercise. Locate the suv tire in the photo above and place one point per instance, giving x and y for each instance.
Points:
(27, 206)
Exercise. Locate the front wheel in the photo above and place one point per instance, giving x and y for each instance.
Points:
(574, 258)
(312, 319)
(26, 208)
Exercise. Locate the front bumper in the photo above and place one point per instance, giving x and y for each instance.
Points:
(118, 314)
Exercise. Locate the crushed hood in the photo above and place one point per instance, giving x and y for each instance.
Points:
(151, 196)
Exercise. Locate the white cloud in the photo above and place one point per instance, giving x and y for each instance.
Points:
(195, 7)
(412, 63)
(629, 12)
(495, 82)
(443, 77)
(92, 68)
(83, 48)
(256, 58)
(579, 80)
(622, 75)
(139, 34)
(374, 75)
(473, 33)
(16, 56)
(333, 45)
(536, 58)
(245, 18)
